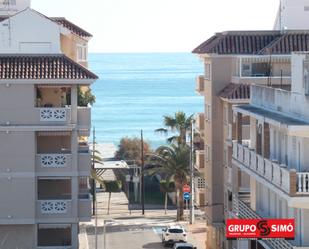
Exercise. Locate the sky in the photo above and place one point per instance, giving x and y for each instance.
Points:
(159, 25)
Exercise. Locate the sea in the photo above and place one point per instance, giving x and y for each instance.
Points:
(135, 91)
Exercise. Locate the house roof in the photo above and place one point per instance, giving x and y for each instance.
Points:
(71, 26)
(235, 92)
(38, 66)
(60, 21)
(255, 42)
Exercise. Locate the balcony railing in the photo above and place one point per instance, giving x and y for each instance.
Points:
(54, 160)
(200, 84)
(54, 206)
(54, 247)
(54, 114)
(243, 211)
(290, 181)
(270, 171)
(200, 159)
(200, 122)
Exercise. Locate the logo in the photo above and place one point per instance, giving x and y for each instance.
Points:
(263, 228)
(260, 228)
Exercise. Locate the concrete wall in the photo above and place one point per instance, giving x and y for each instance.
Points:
(20, 34)
(21, 236)
(293, 14)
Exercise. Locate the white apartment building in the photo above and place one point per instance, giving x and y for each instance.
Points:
(44, 154)
(276, 158)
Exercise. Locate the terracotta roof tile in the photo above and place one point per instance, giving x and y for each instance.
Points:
(235, 92)
(71, 26)
(42, 67)
(256, 42)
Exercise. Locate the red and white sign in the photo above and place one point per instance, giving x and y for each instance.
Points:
(186, 188)
(260, 228)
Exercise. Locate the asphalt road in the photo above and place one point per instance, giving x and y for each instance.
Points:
(135, 233)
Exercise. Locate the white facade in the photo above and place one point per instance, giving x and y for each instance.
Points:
(19, 34)
(11, 7)
(292, 14)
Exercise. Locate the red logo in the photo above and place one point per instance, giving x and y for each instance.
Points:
(260, 228)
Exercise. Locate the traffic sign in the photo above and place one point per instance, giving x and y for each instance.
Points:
(186, 196)
(186, 188)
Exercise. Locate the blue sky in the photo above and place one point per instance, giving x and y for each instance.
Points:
(159, 25)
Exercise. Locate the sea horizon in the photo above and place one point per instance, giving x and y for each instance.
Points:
(135, 90)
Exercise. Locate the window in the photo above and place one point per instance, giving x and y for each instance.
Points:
(260, 69)
(81, 52)
(201, 183)
(207, 71)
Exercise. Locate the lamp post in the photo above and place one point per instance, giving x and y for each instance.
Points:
(192, 215)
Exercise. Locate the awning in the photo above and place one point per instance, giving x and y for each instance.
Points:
(53, 133)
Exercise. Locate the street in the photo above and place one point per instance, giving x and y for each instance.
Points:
(127, 229)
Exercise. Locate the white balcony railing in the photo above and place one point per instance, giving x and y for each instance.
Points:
(269, 170)
(54, 160)
(54, 206)
(303, 183)
(53, 114)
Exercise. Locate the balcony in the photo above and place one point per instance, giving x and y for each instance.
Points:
(84, 120)
(200, 85)
(243, 211)
(84, 209)
(84, 163)
(54, 198)
(200, 160)
(289, 181)
(200, 123)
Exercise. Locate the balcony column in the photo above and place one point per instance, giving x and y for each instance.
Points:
(239, 128)
(266, 141)
(74, 234)
(74, 148)
(74, 104)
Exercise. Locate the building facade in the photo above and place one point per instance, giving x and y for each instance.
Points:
(233, 61)
(275, 158)
(45, 156)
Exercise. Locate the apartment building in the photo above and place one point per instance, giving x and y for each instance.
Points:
(275, 159)
(234, 60)
(45, 158)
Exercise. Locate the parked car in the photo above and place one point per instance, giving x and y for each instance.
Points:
(183, 246)
(174, 234)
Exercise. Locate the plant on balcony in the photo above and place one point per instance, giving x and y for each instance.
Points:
(172, 162)
(179, 124)
(111, 187)
(85, 97)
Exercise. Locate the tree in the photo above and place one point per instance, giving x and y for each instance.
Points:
(85, 97)
(166, 186)
(179, 123)
(111, 187)
(130, 150)
(172, 162)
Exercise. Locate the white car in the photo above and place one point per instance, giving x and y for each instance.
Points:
(174, 234)
(183, 246)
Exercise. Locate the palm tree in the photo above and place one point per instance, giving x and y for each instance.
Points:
(166, 186)
(179, 123)
(172, 162)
